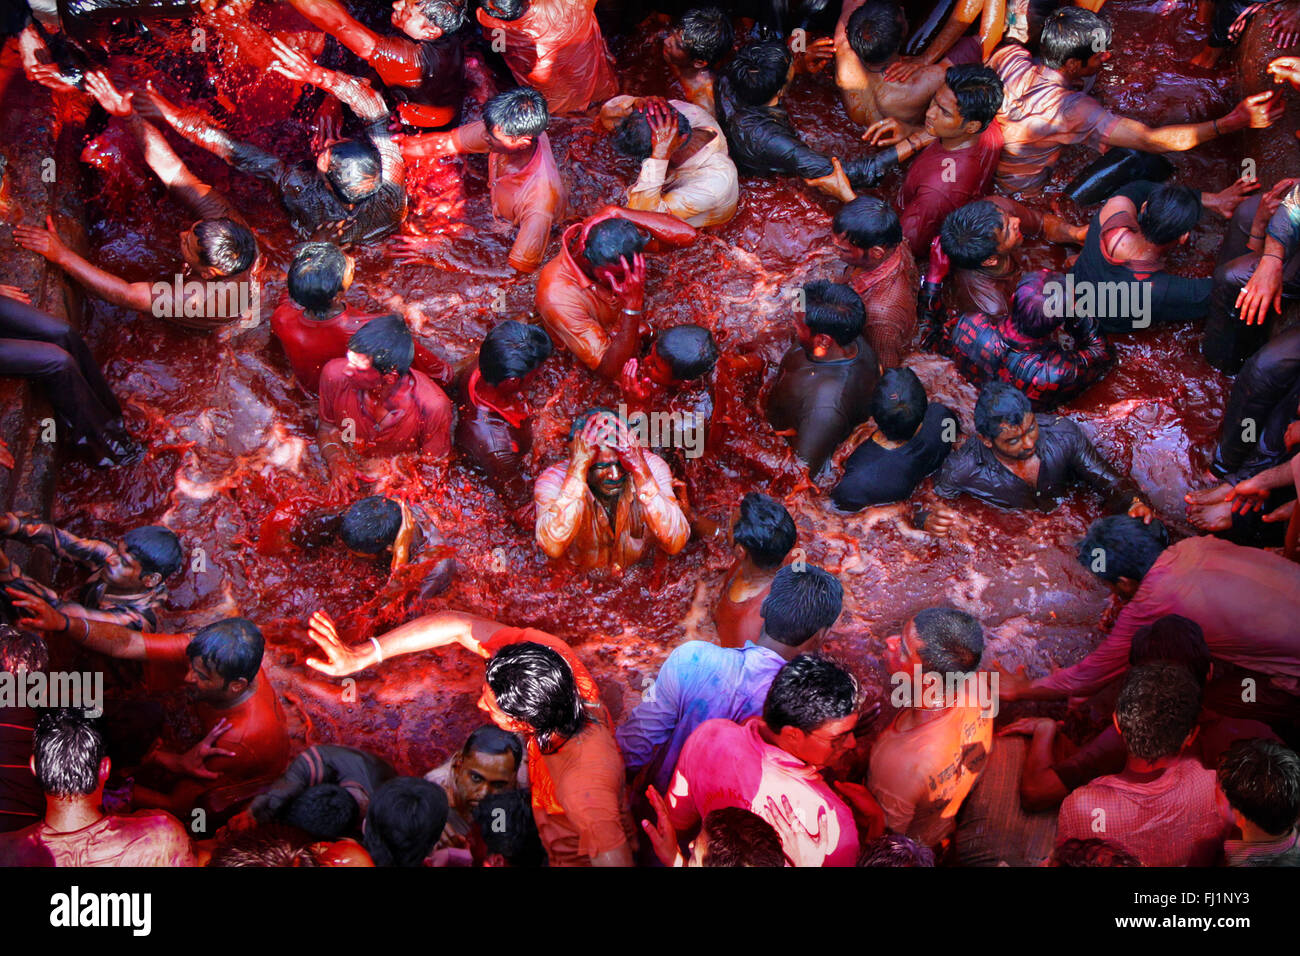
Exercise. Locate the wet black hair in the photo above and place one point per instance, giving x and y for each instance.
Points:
(225, 245)
(632, 136)
(758, 72)
(875, 31)
(968, 235)
(612, 239)
(22, 650)
(509, 829)
(764, 529)
(868, 221)
(315, 276)
(689, 351)
(833, 309)
(156, 548)
(1170, 213)
(978, 90)
(1091, 852)
(371, 525)
(896, 850)
(1261, 779)
(808, 692)
(707, 34)
(952, 641)
(447, 15)
(1128, 547)
(899, 404)
(354, 170)
(491, 739)
(387, 341)
(504, 9)
(233, 648)
(404, 822)
(999, 404)
(735, 837)
(268, 845)
(67, 749)
(325, 811)
(535, 684)
(521, 111)
(1173, 638)
(1029, 304)
(800, 603)
(1157, 708)
(511, 350)
(1070, 34)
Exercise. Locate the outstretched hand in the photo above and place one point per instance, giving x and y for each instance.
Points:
(193, 760)
(341, 660)
(40, 615)
(293, 64)
(107, 95)
(661, 832)
(44, 242)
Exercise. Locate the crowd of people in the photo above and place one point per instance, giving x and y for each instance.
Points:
(756, 749)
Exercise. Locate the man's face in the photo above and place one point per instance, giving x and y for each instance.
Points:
(657, 369)
(205, 683)
(825, 744)
(501, 142)
(476, 775)
(122, 570)
(190, 250)
(1009, 236)
(902, 649)
(1095, 63)
(943, 118)
(1017, 442)
(408, 18)
(606, 477)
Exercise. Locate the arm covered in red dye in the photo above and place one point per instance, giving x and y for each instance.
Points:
(334, 19)
(662, 227)
(470, 138)
(102, 637)
(423, 634)
(46, 243)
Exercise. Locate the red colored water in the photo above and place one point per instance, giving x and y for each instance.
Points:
(232, 436)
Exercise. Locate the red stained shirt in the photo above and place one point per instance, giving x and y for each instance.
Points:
(421, 421)
(940, 181)
(259, 736)
(310, 343)
(147, 838)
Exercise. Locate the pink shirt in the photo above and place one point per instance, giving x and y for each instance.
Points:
(1172, 817)
(725, 764)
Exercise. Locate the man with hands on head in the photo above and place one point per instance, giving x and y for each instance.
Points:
(591, 296)
(611, 501)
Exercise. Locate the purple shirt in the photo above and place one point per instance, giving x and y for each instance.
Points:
(699, 681)
(1247, 602)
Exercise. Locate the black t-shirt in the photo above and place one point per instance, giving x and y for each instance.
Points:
(874, 475)
(762, 140)
(1172, 298)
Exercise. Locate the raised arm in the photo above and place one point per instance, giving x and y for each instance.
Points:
(192, 126)
(1256, 112)
(330, 16)
(111, 640)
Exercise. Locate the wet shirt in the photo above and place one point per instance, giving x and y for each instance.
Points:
(725, 764)
(990, 348)
(888, 294)
(939, 181)
(1065, 455)
(427, 78)
(311, 202)
(703, 190)
(259, 735)
(557, 48)
(580, 312)
(875, 475)
(921, 775)
(989, 289)
(593, 540)
(762, 140)
(699, 681)
(356, 771)
(137, 610)
(1169, 817)
(822, 400)
(414, 416)
(146, 838)
(1040, 116)
(589, 784)
(1246, 600)
(309, 342)
(498, 442)
(531, 197)
(738, 622)
(1129, 295)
